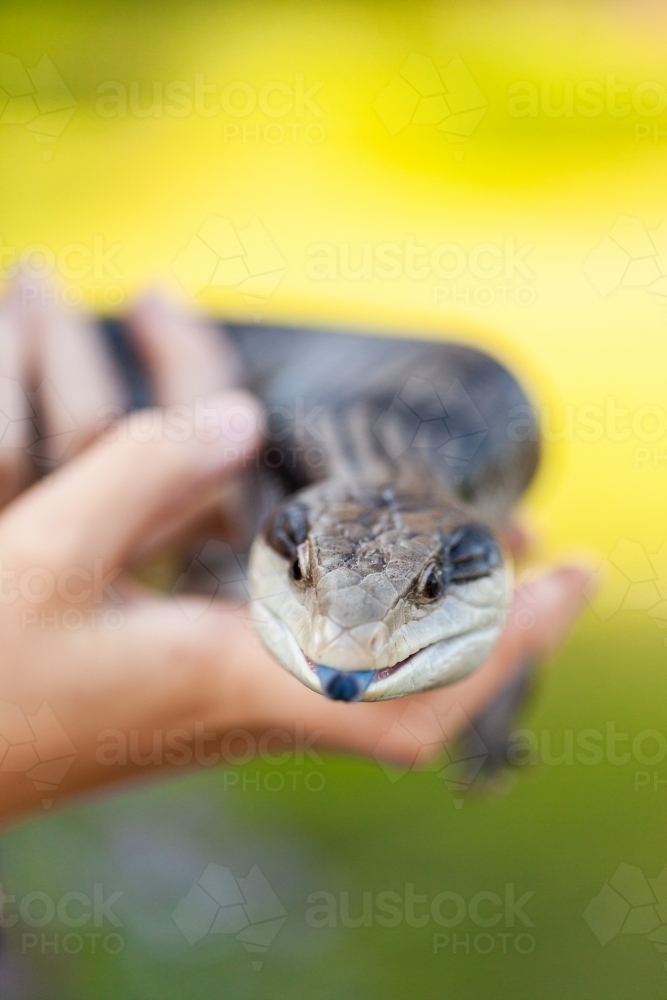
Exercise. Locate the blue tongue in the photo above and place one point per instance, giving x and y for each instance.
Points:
(344, 685)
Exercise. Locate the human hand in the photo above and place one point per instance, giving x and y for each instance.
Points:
(60, 386)
(192, 666)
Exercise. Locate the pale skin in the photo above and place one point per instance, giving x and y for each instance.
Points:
(191, 666)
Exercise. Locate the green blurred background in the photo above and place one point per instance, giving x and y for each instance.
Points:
(530, 139)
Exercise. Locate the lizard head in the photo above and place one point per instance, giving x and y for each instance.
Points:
(366, 594)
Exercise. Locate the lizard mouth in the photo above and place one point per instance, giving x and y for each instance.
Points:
(350, 685)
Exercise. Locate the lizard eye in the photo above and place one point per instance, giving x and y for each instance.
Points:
(430, 583)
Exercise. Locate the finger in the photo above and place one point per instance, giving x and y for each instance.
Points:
(79, 386)
(185, 356)
(105, 503)
(518, 536)
(17, 425)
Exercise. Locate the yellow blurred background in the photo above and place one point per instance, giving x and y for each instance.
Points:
(309, 119)
(492, 171)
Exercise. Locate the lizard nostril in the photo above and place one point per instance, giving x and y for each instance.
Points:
(324, 631)
(372, 637)
(378, 642)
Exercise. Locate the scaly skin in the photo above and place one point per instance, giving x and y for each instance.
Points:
(359, 580)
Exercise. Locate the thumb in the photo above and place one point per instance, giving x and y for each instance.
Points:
(151, 470)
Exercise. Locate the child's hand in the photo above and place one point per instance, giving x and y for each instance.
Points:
(81, 636)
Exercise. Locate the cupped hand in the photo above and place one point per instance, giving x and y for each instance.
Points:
(88, 651)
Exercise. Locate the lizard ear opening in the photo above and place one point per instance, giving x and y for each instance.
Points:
(286, 529)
